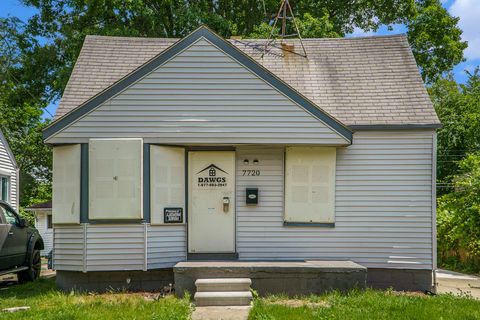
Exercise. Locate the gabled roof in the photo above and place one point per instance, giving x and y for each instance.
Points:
(173, 50)
(370, 82)
(7, 147)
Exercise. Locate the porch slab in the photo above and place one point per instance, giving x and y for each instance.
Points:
(275, 277)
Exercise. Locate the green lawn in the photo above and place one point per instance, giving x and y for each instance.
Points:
(369, 304)
(46, 302)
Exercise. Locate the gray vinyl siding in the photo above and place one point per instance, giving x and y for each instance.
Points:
(69, 246)
(167, 245)
(383, 215)
(41, 225)
(8, 167)
(115, 247)
(201, 96)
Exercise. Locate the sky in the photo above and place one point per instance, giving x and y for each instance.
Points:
(467, 10)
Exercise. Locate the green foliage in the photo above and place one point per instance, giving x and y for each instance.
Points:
(435, 39)
(25, 89)
(458, 107)
(309, 26)
(29, 216)
(313, 27)
(64, 23)
(368, 304)
(458, 218)
(47, 302)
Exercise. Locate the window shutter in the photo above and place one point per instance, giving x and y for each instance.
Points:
(310, 184)
(66, 184)
(167, 178)
(115, 179)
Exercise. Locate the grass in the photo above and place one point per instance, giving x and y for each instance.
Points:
(46, 302)
(370, 304)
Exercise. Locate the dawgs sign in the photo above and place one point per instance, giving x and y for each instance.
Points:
(212, 176)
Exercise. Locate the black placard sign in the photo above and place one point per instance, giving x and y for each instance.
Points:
(173, 215)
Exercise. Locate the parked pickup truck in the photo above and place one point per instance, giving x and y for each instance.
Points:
(20, 246)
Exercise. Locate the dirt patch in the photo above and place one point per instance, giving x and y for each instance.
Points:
(418, 294)
(297, 303)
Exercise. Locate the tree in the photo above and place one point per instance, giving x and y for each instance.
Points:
(309, 27)
(458, 107)
(459, 213)
(66, 22)
(21, 102)
(435, 39)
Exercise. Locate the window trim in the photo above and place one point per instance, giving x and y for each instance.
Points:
(8, 179)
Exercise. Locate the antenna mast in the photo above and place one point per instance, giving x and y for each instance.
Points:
(282, 15)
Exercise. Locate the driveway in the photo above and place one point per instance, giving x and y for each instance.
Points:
(458, 283)
(11, 279)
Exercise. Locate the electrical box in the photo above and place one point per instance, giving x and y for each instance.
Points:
(252, 196)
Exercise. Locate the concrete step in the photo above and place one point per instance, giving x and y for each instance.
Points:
(223, 298)
(223, 284)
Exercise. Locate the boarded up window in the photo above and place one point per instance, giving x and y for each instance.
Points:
(115, 179)
(167, 178)
(66, 184)
(310, 184)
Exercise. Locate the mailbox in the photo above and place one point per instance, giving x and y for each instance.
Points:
(252, 196)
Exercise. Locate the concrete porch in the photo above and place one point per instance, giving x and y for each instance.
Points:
(275, 277)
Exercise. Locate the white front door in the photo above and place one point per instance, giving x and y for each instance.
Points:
(211, 210)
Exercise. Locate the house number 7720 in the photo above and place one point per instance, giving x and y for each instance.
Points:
(251, 172)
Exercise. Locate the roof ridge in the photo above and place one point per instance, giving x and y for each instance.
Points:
(346, 38)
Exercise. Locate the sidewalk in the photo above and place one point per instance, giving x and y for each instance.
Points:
(458, 283)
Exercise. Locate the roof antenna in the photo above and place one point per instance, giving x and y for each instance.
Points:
(282, 15)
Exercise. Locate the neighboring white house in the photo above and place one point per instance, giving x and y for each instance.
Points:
(44, 224)
(8, 174)
(170, 150)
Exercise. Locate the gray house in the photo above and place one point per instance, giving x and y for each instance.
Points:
(8, 173)
(202, 148)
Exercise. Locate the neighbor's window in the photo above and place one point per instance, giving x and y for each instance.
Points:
(49, 221)
(310, 184)
(4, 188)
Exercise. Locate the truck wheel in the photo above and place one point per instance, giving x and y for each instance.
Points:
(34, 268)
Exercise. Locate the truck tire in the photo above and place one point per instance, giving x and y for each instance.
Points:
(34, 268)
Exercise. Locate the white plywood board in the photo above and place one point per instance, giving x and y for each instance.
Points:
(66, 184)
(115, 179)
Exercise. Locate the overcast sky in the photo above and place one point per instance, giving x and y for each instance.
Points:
(467, 10)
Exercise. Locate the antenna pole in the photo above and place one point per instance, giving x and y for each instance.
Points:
(282, 14)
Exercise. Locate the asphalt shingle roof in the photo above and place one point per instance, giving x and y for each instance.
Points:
(359, 81)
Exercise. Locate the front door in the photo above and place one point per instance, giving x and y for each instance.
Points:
(211, 210)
